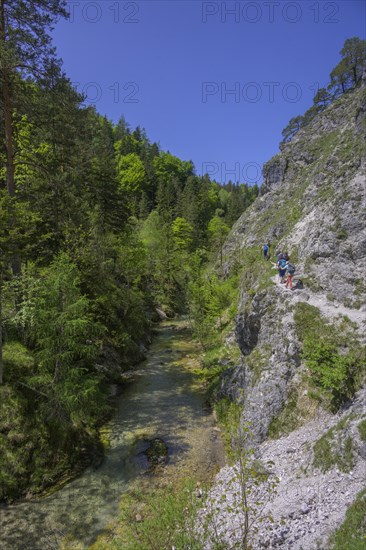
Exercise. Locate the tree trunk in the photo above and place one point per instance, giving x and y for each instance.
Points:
(7, 108)
(1, 326)
(8, 123)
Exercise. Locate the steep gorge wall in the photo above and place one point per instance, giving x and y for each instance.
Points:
(312, 204)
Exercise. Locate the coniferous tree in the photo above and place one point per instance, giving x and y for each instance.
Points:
(25, 48)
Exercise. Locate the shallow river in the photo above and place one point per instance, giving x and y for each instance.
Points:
(162, 401)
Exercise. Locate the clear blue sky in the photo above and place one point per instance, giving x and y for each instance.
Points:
(169, 66)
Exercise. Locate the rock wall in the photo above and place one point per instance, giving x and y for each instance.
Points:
(312, 204)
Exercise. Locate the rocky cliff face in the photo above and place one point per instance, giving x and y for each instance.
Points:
(312, 205)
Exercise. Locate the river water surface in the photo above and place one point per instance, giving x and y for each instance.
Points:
(162, 401)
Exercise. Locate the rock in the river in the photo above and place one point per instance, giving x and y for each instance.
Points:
(157, 452)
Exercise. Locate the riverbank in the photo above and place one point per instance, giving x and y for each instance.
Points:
(164, 400)
(159, 506)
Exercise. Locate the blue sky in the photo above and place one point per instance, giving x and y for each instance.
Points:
(212, 82)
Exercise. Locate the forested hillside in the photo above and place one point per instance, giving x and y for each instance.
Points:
(98, 228)
(103, 234)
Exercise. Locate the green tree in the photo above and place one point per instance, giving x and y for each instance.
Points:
(218, 231)
(292, 128)
(240, 496)
(130, 173)
(168, 166)
(25, 47)
(66, 343)
(354, 54)
(322, 99)
(349, 70)
(340, 80)
(182, 234)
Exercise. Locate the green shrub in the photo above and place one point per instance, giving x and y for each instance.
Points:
(212, 305)
(18, 361)
(308, 321)
(351, 535)
(330, 371)
(228, 414)
(331, 352)
(332, 450)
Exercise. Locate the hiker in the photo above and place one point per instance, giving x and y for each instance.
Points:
(282, 268)
(266, 252)
(290, 269)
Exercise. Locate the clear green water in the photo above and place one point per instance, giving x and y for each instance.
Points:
(162, 401)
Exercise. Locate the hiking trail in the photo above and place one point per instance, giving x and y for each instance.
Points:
(329, 309)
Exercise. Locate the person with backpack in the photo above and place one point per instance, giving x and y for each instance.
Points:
(266, 251)
(290, 269)
(282, 265)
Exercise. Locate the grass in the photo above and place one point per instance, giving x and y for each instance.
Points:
(351, 535)
(362, 429)
(308, 320)
(333, 450)
(156, 518)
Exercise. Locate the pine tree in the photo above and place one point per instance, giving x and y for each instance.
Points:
(25, 48)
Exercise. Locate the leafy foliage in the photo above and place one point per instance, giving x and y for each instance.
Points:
(332, 354)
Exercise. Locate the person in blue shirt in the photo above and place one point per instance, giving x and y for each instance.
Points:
(266, 251)
(282, 268)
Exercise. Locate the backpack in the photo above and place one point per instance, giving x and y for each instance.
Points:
(265, 248)
(291, 269)
(299, 284)
(286, 256)
(280, 256)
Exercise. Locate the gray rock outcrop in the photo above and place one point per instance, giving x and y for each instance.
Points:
(311, 204)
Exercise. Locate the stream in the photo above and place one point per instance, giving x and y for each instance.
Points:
(164, 401)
